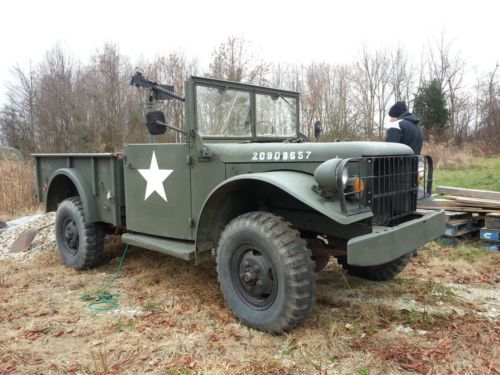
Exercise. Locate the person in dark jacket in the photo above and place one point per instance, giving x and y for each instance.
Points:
(404, 128)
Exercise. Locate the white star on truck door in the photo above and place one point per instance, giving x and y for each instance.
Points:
(154, 178)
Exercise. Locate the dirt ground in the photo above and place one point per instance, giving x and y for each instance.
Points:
(441, 315)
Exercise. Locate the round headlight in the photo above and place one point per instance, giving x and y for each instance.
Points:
(345, 177)
(327, 172)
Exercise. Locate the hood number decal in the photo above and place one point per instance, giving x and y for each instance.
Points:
(281, 155)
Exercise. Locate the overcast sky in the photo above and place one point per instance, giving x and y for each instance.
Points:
(282, 31)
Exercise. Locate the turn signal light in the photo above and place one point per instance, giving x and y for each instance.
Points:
(359, 185)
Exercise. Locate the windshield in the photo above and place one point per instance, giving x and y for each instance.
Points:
(276, 115)
(223, 112)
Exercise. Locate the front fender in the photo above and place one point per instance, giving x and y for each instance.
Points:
(57, 184)
(218, 209)
(299, 185)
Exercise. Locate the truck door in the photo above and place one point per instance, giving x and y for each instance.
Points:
(158, 190)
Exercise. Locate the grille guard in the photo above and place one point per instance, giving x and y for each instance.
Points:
(392, 186)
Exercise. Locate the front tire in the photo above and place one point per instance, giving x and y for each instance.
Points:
(265, 272)
(79, 243)
(382, 272)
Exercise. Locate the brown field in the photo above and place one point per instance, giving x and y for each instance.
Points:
(453, 157)
(439, 316)
(17, 189)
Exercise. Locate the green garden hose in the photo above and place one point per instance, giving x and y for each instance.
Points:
(102, 299)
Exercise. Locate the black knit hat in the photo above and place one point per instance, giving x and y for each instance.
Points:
(398, 109)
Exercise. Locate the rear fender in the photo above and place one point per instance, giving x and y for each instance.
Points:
(65, 183)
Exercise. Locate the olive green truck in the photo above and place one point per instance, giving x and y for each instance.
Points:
(247, 189)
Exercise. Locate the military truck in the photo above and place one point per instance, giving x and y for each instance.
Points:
(247, 189)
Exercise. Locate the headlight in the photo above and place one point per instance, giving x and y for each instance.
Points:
(328, 173)
(345, 176)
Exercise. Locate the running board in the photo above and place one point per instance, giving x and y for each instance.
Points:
(176, 248)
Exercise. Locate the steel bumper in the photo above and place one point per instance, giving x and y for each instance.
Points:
(388, 243)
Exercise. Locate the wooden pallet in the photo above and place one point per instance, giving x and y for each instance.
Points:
(490, 246)
(490, 235)
(492, 221)
(463, 227)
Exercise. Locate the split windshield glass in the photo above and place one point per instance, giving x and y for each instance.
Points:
(276, 115)
(228, 112)
(223, 112)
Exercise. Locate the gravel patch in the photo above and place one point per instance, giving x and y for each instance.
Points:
(489, 298)
(44, 240)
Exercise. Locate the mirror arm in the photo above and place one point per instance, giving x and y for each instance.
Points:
(157, 122)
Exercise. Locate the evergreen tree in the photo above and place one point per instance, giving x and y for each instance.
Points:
(430, 107)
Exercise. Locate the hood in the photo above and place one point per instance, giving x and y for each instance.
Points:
(302, 152)
(409, 117)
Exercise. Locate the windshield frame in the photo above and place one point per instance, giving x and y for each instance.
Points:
(253, 90)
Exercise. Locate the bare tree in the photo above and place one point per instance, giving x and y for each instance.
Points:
(173, 69)
(17, 120)
(55, 105)
(234, 60)
(448, 68)
(372, 76)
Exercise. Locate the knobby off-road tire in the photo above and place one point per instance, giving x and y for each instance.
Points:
(79, 243)
(265, 272)
(383, 272)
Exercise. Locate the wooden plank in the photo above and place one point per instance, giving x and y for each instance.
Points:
(471, 193)
(473, 201)
(461, 209)
(458, 221)
(440, 203)
(446, 205)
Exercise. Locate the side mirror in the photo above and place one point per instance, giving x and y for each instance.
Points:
(155, 121)
(318, 129)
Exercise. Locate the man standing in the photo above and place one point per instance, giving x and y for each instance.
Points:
(404, 128)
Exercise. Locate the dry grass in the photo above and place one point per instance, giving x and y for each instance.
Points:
(17, 188)
(172, 320)
(450, 156)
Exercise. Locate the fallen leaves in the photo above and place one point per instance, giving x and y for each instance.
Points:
(182, 362)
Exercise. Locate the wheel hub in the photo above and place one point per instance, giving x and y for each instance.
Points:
(71, 237)
(256, 278)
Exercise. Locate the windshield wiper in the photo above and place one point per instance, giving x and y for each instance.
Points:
(286, 101)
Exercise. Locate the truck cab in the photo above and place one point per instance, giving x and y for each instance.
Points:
(247, 189)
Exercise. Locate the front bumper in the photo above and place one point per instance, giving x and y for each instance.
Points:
(388, 243)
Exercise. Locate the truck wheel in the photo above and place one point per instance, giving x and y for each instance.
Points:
(383, 272)
(80, 243)
(265, 272)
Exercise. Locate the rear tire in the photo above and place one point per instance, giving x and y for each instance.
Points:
(79, 243)
(265, 272)
(382, 272)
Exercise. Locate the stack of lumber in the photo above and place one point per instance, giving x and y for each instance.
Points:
(466, 210)
(465, 200)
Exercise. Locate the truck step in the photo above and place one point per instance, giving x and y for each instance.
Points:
(176, 248)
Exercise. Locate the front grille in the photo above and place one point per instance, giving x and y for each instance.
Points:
(394, 189)
(391, 187)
